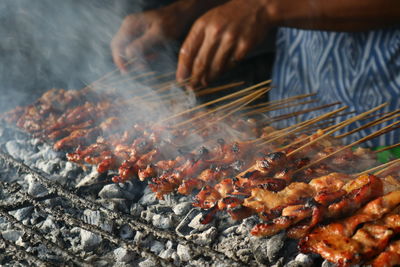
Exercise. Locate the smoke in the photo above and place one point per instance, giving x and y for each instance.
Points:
(63, 44)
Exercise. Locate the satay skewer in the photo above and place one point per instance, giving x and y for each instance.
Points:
(221, 108)
(387, 148)
(387, 117)
(233, 95)
(229, 113)
(379, 169)
(341, 126)
(361, 140)
(299, 126)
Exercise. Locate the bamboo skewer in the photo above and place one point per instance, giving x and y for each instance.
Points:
(387, 117)
(341, 126)
(277, 107)
(294, 114)
(217, 89)
(380, 167)
(392, 165)
(226, 106)
(260, 93)
(106, 76)
(300, 126)
(370, 136)
(233, 95)
(282, 101)
(387, 148)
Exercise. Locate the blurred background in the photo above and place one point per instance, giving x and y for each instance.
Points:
(65, 44)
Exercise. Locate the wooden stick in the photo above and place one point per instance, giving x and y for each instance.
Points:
(262, 91)
(217, 89)
(107, 75)
(385, 118)
(241, 92)
(277, 107)
(226, 106)
(378, 167)
(300, 126)
(394, 163)
(387, 148)
(282, 101)
(370, 136)
(343, 124)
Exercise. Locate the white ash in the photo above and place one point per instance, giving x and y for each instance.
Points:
(182, 208)
(174, 212)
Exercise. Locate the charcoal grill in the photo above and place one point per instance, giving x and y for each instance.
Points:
(14, 197)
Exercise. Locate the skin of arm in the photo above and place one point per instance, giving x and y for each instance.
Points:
(140, 33)
(228, 32)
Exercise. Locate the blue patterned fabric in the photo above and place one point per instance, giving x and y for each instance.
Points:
(362, 70)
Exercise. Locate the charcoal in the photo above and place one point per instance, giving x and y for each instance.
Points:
(147, 263)
(183, 229)
(182, 208)
(14, 148)
(160, 209)
(167, 253)
(147, 215)
(275, 245)
(260, 249)
(123, 255)
(23, 213)
(156, 247)
(136, 209)
(230, 230)
(326, 263)
(162, 221)
(148, 198)
(96, 218)
(35, 188)
(48, 224)
(196, 224)
(184, 252)
(89, 240)
(120, 204)
(204, 238)
(115, 191)
(126, 232)
(12, 235)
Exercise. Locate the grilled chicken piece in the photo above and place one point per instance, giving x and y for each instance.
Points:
(357, 192)
(334, 241)
(390, 257)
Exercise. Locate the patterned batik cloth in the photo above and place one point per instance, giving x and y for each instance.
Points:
(361, 70)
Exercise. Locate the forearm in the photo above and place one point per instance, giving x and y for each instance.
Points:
(190, 10)
(338, 15)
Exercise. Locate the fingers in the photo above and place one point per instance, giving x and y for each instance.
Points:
(223, 58)
(189, 52)
(117, 49)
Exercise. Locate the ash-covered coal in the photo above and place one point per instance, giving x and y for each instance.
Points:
(173, 214)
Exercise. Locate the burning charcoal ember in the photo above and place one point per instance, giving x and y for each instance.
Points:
(259, 249)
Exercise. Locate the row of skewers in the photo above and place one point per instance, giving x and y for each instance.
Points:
(227, 152)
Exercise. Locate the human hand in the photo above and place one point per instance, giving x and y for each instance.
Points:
(222, 36)
(142, 33)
